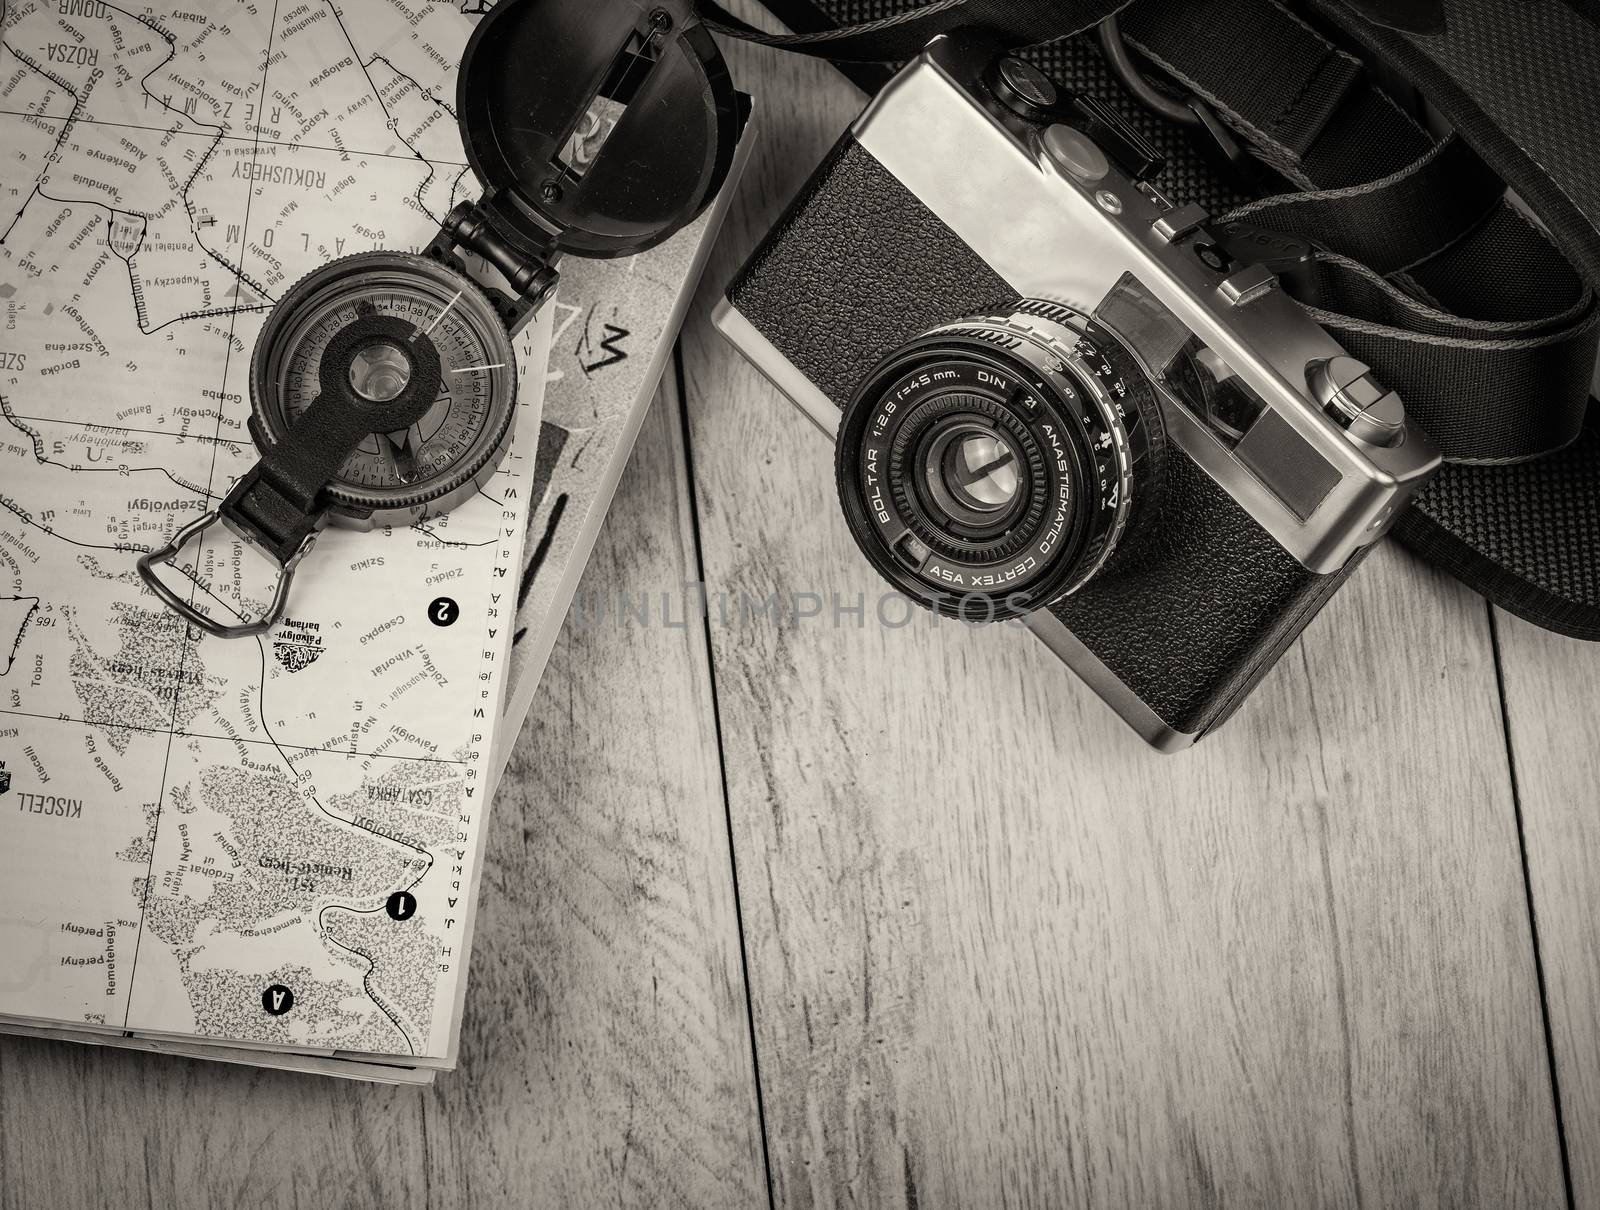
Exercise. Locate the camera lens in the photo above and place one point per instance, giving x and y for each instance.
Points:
(990, 466)
(972, 474)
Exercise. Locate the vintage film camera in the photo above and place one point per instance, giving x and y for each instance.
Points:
(1057, 396)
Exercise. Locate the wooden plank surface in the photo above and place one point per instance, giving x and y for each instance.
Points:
(606, 1053)
(1002, 954)
(1552, 693)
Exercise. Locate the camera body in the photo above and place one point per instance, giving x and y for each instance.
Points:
(1058, 397)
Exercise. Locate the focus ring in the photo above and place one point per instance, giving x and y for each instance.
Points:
(902, 476)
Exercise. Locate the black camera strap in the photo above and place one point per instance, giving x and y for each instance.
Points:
(1483, 318)
(1467, 308)
(901, 34)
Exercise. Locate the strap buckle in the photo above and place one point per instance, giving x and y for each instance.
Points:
(1291, 259)
(222, 630)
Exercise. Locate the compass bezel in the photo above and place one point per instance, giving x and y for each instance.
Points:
(355, 505)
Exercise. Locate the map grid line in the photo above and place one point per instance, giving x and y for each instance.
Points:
(188, 643)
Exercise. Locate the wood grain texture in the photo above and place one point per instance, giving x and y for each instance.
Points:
(606, 1055)
(1552, 687)
(1001, 954)
(607, 1058)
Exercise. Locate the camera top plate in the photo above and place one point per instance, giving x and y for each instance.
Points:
(597, 127)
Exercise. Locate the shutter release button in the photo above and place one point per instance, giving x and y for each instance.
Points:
(1075, 153)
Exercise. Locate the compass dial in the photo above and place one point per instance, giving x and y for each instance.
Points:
(408, 304)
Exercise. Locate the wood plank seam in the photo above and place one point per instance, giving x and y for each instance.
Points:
(1533, 914)
(722, 766)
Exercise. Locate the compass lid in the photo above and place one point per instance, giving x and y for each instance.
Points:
(597, 127)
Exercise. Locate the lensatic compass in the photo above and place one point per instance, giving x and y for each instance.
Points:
(383, 386)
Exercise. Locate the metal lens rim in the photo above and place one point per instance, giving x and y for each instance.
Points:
(372, 356)
(941, 456)
(921, 510)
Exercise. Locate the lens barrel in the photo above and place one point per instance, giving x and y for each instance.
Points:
(990, 466)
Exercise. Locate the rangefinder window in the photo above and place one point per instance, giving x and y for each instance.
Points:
(1210, 389)
(1190, 371)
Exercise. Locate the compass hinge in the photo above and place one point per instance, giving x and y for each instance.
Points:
(531, 278)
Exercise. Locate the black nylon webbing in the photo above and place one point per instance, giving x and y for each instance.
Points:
(1493, 371)
(1393, 222)
(901, 35)
(1522, 84)
(1282, 103)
